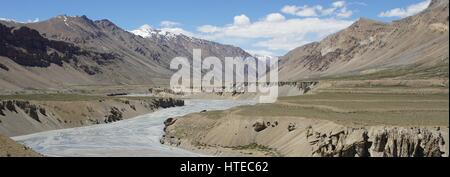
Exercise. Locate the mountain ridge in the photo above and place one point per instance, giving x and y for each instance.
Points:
(367, 47)
(131, 59)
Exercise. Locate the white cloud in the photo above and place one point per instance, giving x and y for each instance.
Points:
(169, 24)
(241, 20)
(275, 17)
(344, 13)
(208, 29)
(327, 12)
(16, 21)
(290, 10)
(405, 12)
(302, 11)
(260, 52)
(338, 4)
(284, 43)
(358, 3)
(338, 8)
(273, 35)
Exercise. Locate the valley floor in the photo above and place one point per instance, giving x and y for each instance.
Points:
(337, 118)
(381, 115)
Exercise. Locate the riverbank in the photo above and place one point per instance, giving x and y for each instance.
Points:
(26, 114)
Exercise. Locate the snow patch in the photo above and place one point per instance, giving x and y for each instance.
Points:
(326, 50)
(65, 21)
(146, 31)
(367, 41)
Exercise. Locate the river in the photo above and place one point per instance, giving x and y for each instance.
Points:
(137, 136)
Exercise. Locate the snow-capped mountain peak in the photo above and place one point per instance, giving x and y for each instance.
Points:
(146, 31)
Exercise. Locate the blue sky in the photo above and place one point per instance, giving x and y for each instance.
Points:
(259, 26)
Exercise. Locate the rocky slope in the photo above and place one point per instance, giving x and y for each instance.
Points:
(19, 117)
(414, 47)
(65, 51)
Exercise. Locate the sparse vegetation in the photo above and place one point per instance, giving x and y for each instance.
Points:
(360, 108)
(407, 72)
(256, 147)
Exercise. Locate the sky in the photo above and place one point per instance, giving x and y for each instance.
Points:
(265, 27)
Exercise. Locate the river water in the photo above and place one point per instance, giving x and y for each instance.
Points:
(138, 136)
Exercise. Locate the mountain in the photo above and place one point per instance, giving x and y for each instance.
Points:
(75, 50)
(416, 47)
(184, 44)
(146, 31)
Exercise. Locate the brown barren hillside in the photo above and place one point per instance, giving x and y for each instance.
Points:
(410, 48)
(10, 148)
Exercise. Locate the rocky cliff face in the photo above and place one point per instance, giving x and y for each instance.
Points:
(416, 43)
(25, 106)
(379, 142)
(28, 48)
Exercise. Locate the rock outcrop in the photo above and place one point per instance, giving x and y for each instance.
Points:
(385, 142)
(291, 127)
(168, 122)
(170, 140)
(30, 109)
(115, 115)
(259, 126)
